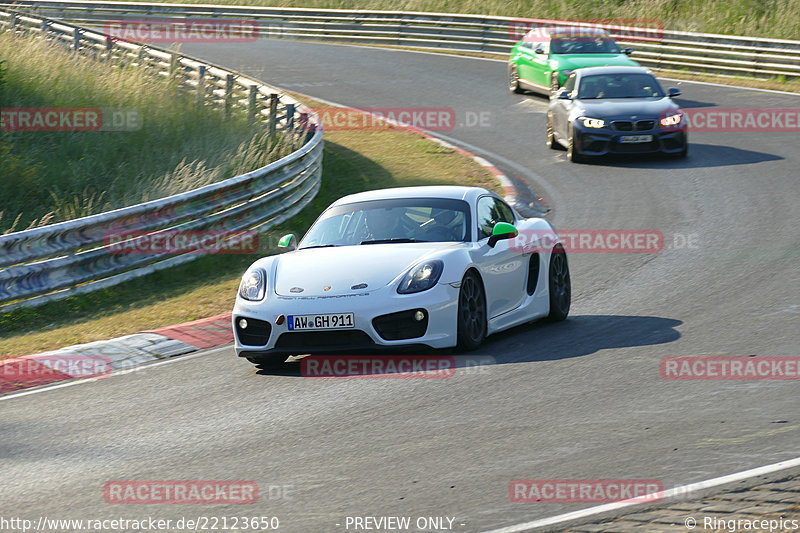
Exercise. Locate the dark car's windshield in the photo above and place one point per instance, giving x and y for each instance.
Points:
(633, 85)
(589, 44)
(394, 220)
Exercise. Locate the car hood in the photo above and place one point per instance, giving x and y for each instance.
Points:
(625, 107)
(573, 61)
(344, 267)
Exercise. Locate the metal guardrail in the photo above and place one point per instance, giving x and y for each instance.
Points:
(55, 261)
(654, 47)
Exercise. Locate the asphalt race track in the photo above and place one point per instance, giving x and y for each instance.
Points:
(583, 399)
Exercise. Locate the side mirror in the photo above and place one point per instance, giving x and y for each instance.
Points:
(564, 95)
(628, 51)
(539, 51)
(672, 92)
(288, 241)
(501, 231)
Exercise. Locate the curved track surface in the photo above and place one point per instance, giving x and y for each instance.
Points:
(577, 400)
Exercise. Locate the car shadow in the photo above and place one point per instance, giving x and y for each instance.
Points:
(690, 104)
(578, 336)
(700, 156)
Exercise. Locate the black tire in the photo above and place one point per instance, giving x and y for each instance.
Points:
(559, 285)
(471, 312)
(572, 154)
(551, 141)
(267, 361)
(513, 80)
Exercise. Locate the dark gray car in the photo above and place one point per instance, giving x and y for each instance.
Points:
(615, 110)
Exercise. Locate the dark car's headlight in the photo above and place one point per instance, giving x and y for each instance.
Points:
(592, 122)
(672, 120)
(254, 285)
(422, 277)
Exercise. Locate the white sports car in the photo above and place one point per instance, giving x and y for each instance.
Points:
(413, 267)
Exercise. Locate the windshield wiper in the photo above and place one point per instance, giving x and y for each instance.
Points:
(318, 246)
(384, 241)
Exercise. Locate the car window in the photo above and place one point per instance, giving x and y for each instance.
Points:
(490, 212)
(407, 220)
(590, 44)
(633, 85)
(570, 83)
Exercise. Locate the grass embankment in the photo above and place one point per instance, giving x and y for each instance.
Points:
(354, 161)
(48, 177)
(764, 18)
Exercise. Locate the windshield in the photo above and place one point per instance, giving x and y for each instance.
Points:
(584, 45)
(396, 220)
(635, 85)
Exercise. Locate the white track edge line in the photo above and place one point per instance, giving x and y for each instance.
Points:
(583, 513)
(137, 368)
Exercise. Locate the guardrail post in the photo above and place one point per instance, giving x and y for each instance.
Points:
(76, 39)
(289, 117)
(228, 93)
(45, 27)
(252, 103)
(201, 84)
(109, 48)
(273, 113)
(303, 120)
(14, 21)
(173, 65)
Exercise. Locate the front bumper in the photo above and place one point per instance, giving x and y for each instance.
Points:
(603, 141)
(440, 305)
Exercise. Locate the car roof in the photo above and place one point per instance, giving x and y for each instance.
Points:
(456, 192)
(612, 69)
(563, 31)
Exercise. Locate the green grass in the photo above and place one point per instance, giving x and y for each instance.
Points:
(761, 18)
(48, 177)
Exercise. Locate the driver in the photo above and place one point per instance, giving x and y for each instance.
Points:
(381, 225)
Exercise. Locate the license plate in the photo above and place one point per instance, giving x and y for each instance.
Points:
(328, 321)
(636, 138)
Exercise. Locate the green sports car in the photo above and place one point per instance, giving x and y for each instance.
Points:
(545, 57)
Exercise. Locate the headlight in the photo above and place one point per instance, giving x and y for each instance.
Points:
(253, 285)
(422, 277)
(672, 120)
(592, 122)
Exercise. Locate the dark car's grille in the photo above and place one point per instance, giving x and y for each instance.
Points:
(402, 325)
(255, 334)
(323, 339)
(628, 125)
(632, 148)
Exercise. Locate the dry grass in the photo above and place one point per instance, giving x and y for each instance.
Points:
(764, 18)
(48, 177)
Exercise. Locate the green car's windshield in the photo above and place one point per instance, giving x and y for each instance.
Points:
(634, 85)
(584, 45)
(391, 221)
